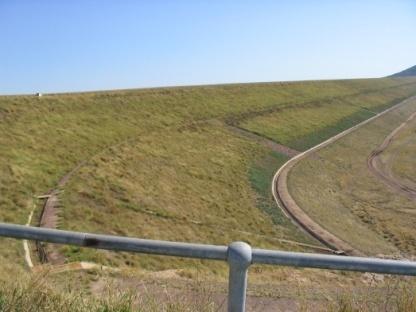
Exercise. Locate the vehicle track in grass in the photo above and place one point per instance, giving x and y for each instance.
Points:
(383, 171)
(291, 209)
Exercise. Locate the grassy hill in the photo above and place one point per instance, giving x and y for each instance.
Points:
(168, 164)
(409, 72)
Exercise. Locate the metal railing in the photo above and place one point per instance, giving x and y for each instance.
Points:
(239, 255)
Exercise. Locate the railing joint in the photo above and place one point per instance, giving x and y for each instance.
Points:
(239, 258)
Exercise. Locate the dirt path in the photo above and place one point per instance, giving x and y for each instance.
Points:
(286, 202)
(383, 170)
(282, 149)
(50, 219)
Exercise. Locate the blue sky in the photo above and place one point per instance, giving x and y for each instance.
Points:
(54, 46)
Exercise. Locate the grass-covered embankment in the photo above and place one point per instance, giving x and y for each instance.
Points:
(163, 164)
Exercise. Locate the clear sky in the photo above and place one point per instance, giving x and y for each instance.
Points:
(53, 46)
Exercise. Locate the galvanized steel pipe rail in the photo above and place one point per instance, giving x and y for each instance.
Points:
(239, 255)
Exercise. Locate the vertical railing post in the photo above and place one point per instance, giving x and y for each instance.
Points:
(239, 259)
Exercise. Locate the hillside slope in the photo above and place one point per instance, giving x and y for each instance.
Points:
(167, 163)
(409, 72)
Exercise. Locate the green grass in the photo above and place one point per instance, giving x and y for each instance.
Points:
(261, 175)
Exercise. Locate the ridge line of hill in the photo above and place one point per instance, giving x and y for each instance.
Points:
(408, 72)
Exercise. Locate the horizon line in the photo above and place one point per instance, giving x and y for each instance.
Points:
(174, 86)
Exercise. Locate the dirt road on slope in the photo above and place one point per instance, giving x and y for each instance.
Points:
(383, 169)
(291, 209)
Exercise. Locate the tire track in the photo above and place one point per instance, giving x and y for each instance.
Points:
(375, 164)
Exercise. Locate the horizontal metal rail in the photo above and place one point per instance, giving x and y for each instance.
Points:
(111, 242)
(331, 262)
(239, 255)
